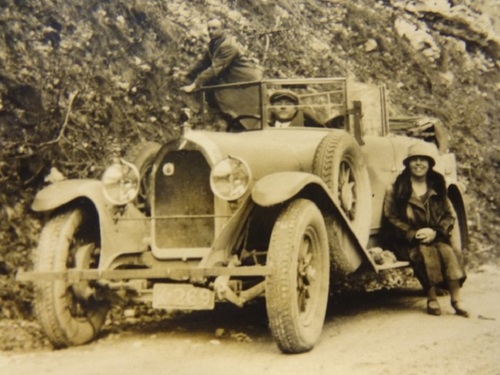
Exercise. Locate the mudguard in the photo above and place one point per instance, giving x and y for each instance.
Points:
(123, 234)
(456, 194)
(61, 193)
(280, 187)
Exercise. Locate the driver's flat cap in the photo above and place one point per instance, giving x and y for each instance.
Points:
(284, 94)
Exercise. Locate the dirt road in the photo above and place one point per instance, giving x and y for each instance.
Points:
(377, 333)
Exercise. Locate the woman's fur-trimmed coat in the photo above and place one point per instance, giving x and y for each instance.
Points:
(405, 214)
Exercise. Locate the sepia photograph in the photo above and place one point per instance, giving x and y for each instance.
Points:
(298, 187)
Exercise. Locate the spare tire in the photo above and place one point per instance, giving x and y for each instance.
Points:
(339, 162)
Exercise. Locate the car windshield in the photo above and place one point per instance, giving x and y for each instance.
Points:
(274, 104)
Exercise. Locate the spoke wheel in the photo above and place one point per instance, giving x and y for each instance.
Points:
(297, 289)
(347, 190)
(70, 314)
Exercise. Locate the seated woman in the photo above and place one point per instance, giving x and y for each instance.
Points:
(285, 112)
(419, 222)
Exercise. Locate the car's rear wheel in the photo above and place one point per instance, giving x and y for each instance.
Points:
(297, 289)
(69, 314)
(339, 162)
(143, 157)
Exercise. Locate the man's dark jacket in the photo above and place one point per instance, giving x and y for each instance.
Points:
(225, 62)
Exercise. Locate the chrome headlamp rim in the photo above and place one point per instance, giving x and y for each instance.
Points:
(121, 182)
(234, 175)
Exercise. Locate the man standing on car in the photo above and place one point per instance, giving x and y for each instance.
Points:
(223, 63)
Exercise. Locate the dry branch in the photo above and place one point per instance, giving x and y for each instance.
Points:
(72, 97)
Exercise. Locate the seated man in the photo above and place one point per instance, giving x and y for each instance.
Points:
(285, 112)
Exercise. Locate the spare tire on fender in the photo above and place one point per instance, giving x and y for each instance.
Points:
(339, 162)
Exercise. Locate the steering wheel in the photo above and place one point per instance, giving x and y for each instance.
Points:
(243, 122)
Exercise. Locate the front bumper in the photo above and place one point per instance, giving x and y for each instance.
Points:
(77, 275)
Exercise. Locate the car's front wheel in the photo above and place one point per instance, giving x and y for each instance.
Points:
(70, 314)
(297, 289)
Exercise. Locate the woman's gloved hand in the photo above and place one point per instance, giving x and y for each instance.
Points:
(425, 235)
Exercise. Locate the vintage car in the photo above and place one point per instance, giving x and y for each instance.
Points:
(247, 212)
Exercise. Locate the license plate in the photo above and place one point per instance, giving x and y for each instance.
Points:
(182, 297)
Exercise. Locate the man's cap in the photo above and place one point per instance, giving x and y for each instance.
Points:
(284, 94)
(422, 148)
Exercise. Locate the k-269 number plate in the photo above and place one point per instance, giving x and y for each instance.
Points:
(182, 297)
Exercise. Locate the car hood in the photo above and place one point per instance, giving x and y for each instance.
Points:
(265, 151)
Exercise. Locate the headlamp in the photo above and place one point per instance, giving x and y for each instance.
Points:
(230, 178)
(121, 182)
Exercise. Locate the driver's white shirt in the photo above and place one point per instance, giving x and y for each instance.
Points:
(279, 124)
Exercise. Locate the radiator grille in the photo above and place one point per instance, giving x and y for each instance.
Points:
(182, 197)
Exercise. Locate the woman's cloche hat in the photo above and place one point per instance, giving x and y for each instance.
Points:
(422, 148)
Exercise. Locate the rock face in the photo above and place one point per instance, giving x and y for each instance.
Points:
(458, 21)
(419, 37)
(76, 77)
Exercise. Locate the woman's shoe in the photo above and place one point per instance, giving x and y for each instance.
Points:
(459, 309)
(433, 307)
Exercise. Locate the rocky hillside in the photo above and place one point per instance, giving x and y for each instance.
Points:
(77, 76)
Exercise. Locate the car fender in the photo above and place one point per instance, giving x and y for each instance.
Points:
(63, 192)
(457, 197)
(124, 234)
(279, 187)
